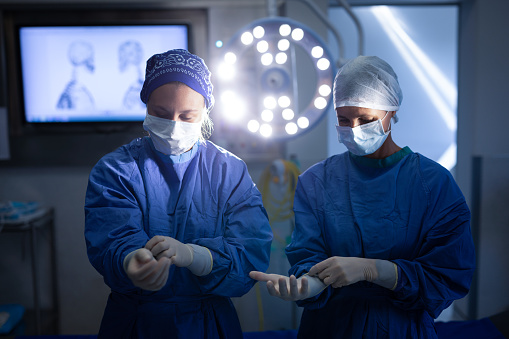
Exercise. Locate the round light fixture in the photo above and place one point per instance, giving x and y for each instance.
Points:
(266, 54)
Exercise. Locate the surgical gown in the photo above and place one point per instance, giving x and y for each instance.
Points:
(406, 209)
(204, 197)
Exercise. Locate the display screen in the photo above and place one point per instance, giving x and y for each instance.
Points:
(90, 73)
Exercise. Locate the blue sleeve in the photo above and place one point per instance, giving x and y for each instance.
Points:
(113, 219)
(443, 269)
(307, 247)
(245, 244)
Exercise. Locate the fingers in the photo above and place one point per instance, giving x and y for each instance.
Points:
(256, 275)
(294, 288)
(304, 287)
(138, 271)
(316, 269)
(163, 248)
(143, 256)
(260, 276)
(154, 241)
(161, 275)
(157, 277)
(272, 289)
(283, 290)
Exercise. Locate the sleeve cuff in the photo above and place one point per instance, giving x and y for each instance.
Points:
(202, 260)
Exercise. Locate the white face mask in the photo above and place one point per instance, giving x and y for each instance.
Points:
(364, 139)
(172, 137)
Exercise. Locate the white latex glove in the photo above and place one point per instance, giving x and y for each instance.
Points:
(180, 254)
(343, 271)
(289, 288)
(145, 271)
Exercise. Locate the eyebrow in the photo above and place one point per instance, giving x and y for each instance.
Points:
(187, 111)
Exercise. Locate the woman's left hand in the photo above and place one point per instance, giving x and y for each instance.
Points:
(343, 271)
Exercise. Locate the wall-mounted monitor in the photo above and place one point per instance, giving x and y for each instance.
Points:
(93, 73)
(78, 69)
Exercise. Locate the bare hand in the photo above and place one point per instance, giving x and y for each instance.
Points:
(286, 288)
(343, 271)
(146, 272)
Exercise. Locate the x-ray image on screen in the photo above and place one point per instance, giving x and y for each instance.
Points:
(90, 73)
(130, 56)
(76, 96)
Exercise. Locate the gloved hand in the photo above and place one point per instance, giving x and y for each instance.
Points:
(289, 288)
(180, 254)
(145, 271)
(343, 271)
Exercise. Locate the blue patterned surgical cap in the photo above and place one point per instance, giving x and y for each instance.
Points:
(178, 65)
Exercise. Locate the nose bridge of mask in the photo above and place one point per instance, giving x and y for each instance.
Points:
(366, 131)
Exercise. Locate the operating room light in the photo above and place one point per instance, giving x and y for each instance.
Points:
(258, 32)
(285, 30)
(283, 45)
(323, 64)
(324, 90)
(269, 102)
(291, 128)
(267, 59)
(230, 58)
(281, 58)
(320, 103)
(317, 52)
(226, 71)
(284, 101)
(247, 38)
(253, 126)
(288, 114)
(267, 115)
(266, 82)
(233, 106)
(303, 122)
(297, 34)
(266, 130)
(262, 46)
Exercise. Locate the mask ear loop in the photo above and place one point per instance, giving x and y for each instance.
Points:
(390, 124)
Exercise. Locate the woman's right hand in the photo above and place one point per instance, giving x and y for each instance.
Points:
(146, 272)
(286, 288)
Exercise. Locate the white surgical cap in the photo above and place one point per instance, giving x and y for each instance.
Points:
(369, 82)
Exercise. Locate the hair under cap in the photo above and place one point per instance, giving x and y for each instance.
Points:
(369, 82)
(178, 65)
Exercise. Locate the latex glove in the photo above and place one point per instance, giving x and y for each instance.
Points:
(180, 254)
(289, 288)
(343, 271)
(145, 271)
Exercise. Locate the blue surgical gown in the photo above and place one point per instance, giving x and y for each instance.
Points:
(205, 197)
(406, 209)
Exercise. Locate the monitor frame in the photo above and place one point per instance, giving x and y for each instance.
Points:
(13, 20)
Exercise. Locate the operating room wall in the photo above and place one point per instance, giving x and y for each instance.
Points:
(483, 155)
(483, 71)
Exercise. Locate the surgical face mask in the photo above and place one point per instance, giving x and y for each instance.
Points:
(364, 139)
(172, 137)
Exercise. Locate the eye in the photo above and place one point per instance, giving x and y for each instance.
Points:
(343, 122)
(363, 121)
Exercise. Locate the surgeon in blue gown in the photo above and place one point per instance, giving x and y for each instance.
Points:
(174, 223)
(382, 243)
